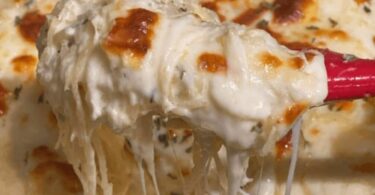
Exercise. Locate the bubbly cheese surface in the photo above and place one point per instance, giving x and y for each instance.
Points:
(336, 149)
(117, 62)
(29, 162)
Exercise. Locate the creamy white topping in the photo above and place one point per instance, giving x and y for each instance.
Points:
(253, 80)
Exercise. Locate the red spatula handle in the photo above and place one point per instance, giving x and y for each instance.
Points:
(349, 77)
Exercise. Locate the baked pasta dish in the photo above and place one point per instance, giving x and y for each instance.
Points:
(182, 97)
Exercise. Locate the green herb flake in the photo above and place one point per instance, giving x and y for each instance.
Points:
(17, 20)
(17, 92)
(41, 98)
(333, 22)
(367, 9)
(312, 27)
(257, 128)
(29, 3)
(163, 138)
(349, 57)
(189, 149)
(263, 24)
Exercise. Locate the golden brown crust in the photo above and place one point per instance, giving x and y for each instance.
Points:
(213, 7)
(283, 146)
(3, 100)
(287, 11)
(249, 16)
(59, 172)
(30, 25)
(293, 112)
(270, 60)
(212, 63)
(25, 64)
(133, 33)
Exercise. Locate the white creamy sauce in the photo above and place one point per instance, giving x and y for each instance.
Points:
(87, 85)
(335, 142)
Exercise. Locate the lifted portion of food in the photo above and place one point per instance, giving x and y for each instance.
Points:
(134, 66)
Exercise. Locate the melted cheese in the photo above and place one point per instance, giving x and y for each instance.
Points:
(345, 28)
(337, 139)
(172, 62)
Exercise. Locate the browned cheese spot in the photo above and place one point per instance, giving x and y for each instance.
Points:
(49, 7)
(309, 56)
(284, 145)
(249, 16)
(172, 134)
(367, 168)
(296, 45)
(270, 60)
(333, 34)
(345, 106)
(295, 62)
(50, 173)
(212, 63)
(187, 134)
(360, 2)
(314, 132)
(293, 112)
(213, 7)
(30, 25)
(185, 172)
(24, 64)
(132, 34)
(287, 11)
(3, 100)
(43, 153)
